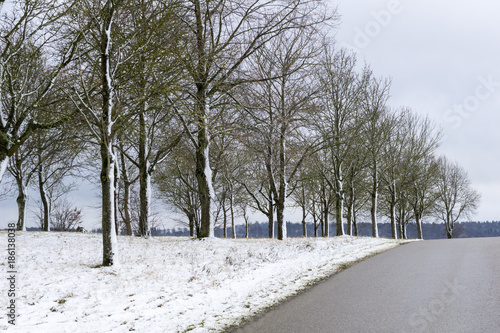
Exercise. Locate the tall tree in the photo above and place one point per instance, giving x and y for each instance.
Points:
(455, 196)
(281, 108)
(149, 30)
(95, 99)
(377, 127)
(56, 158)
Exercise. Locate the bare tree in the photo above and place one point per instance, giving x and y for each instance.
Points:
(94, 97)
(455, 196)
(421, 166)
(338, 123)
(56, 158)
(281, 108)
(377, 127)
(66, 216)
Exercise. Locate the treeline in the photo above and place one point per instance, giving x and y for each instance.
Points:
(260, 230)
(222, 108)
(431, 230)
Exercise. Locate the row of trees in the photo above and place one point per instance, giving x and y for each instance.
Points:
(223, 106)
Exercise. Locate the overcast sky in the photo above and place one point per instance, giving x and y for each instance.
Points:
(444, 61)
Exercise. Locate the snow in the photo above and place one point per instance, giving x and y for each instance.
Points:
(164, 284)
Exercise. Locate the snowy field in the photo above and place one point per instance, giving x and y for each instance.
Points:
(164, 284)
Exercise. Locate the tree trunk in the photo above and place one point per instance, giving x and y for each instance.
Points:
(115, 186)
(418, 220)
(374, 202)
(326, 222)
(108, 207)
(4, 162)
(280, 205)
(322, 224)
(203, 171)
(247, 225)
(44, 199)
(22, 199)
(144, 178)
(224, 215)
(355, 222)
(449, 234)
(231, 207)
(280, 210)
(394, 230)
(350, 209)
(270, 217)
(349, 220)
(326, 212)
(126, 197)
(304, 223)
(339, 205)
(449, 227)
(191, 225)
(110, 244)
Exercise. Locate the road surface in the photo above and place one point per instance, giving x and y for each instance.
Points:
(430, 286)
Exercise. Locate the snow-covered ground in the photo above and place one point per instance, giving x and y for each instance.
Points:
(164, 284)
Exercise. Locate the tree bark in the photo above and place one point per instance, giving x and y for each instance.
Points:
(394, 231)
(22, 199)
(110, 245)
(418, 220)
(350, 209)
(126, 197)
(191, 225)
(4, 162)
(144, 178)
(280, 204)
(231, 207)
(326, 213)
(339, 194)
(374, 198)
(204, 177)
(45, 203)
(270, 217)
(115, 186)
(224, 216)
(108, 205)
(304, 215)
(355, 223)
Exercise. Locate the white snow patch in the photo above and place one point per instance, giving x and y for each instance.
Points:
(164, 284)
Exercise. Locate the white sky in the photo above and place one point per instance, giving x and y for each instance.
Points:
(444, 60)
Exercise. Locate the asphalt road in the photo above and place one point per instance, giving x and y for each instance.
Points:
(430, 286)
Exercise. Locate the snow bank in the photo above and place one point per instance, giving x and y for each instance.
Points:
(164, 284)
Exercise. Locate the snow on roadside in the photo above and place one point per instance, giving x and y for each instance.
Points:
(164, 284)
